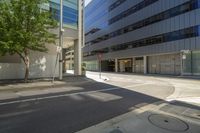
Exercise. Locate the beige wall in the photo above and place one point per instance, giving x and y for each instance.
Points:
(10, 59)
(42, 65)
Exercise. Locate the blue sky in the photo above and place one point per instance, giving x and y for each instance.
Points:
(87, 1)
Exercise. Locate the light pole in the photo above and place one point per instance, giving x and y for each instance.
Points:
(61, 42)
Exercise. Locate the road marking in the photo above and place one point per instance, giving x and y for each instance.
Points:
(57, 96)
(16, 113)
(63, 95)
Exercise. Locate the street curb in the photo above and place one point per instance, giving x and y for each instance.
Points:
(27, 86)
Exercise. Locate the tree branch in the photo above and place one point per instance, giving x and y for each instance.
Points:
(22, 57)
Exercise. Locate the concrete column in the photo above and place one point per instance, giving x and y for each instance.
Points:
(116, 65)
(133, 65)
(71, 60)
(77, 58)
(145, 64)
(79, 43)
(83, 20)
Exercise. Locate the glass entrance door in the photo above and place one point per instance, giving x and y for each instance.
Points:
(125, 65)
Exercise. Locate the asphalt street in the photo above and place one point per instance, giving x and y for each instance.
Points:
(69, 112)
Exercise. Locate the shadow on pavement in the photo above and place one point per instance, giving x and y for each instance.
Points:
(74, 110)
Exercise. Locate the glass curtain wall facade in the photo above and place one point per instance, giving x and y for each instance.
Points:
(70, 12)
(163, 34)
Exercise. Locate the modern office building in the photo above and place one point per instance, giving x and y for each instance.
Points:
(143, 36)
(43, 64)
(73, 35)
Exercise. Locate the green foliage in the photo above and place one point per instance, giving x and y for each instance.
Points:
(25, 26)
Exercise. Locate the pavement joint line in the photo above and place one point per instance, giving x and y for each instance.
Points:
(185, 111)
(57, 96)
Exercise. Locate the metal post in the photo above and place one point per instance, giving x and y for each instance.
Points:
(191, 62)
(61, 42)
(100, 68)
(55, 68)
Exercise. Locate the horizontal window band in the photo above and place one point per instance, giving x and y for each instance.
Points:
(157, 39)
(178, 10)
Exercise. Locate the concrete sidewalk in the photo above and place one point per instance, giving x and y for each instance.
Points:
(17, 89)
(154, 118)
(12, 89)
(40, 83)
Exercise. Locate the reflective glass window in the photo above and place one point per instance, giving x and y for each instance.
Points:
(70, 14)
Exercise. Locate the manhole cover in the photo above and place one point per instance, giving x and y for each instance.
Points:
(168, 123)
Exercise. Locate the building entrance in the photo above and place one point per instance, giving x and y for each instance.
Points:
(108, 65)
(138, 65)
(125, 65)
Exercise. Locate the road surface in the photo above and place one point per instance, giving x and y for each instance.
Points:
(71, 111)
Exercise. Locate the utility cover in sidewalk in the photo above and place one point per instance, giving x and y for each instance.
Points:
(168, 123)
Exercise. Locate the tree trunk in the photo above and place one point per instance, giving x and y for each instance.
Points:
(27, 65)
(26, 60)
